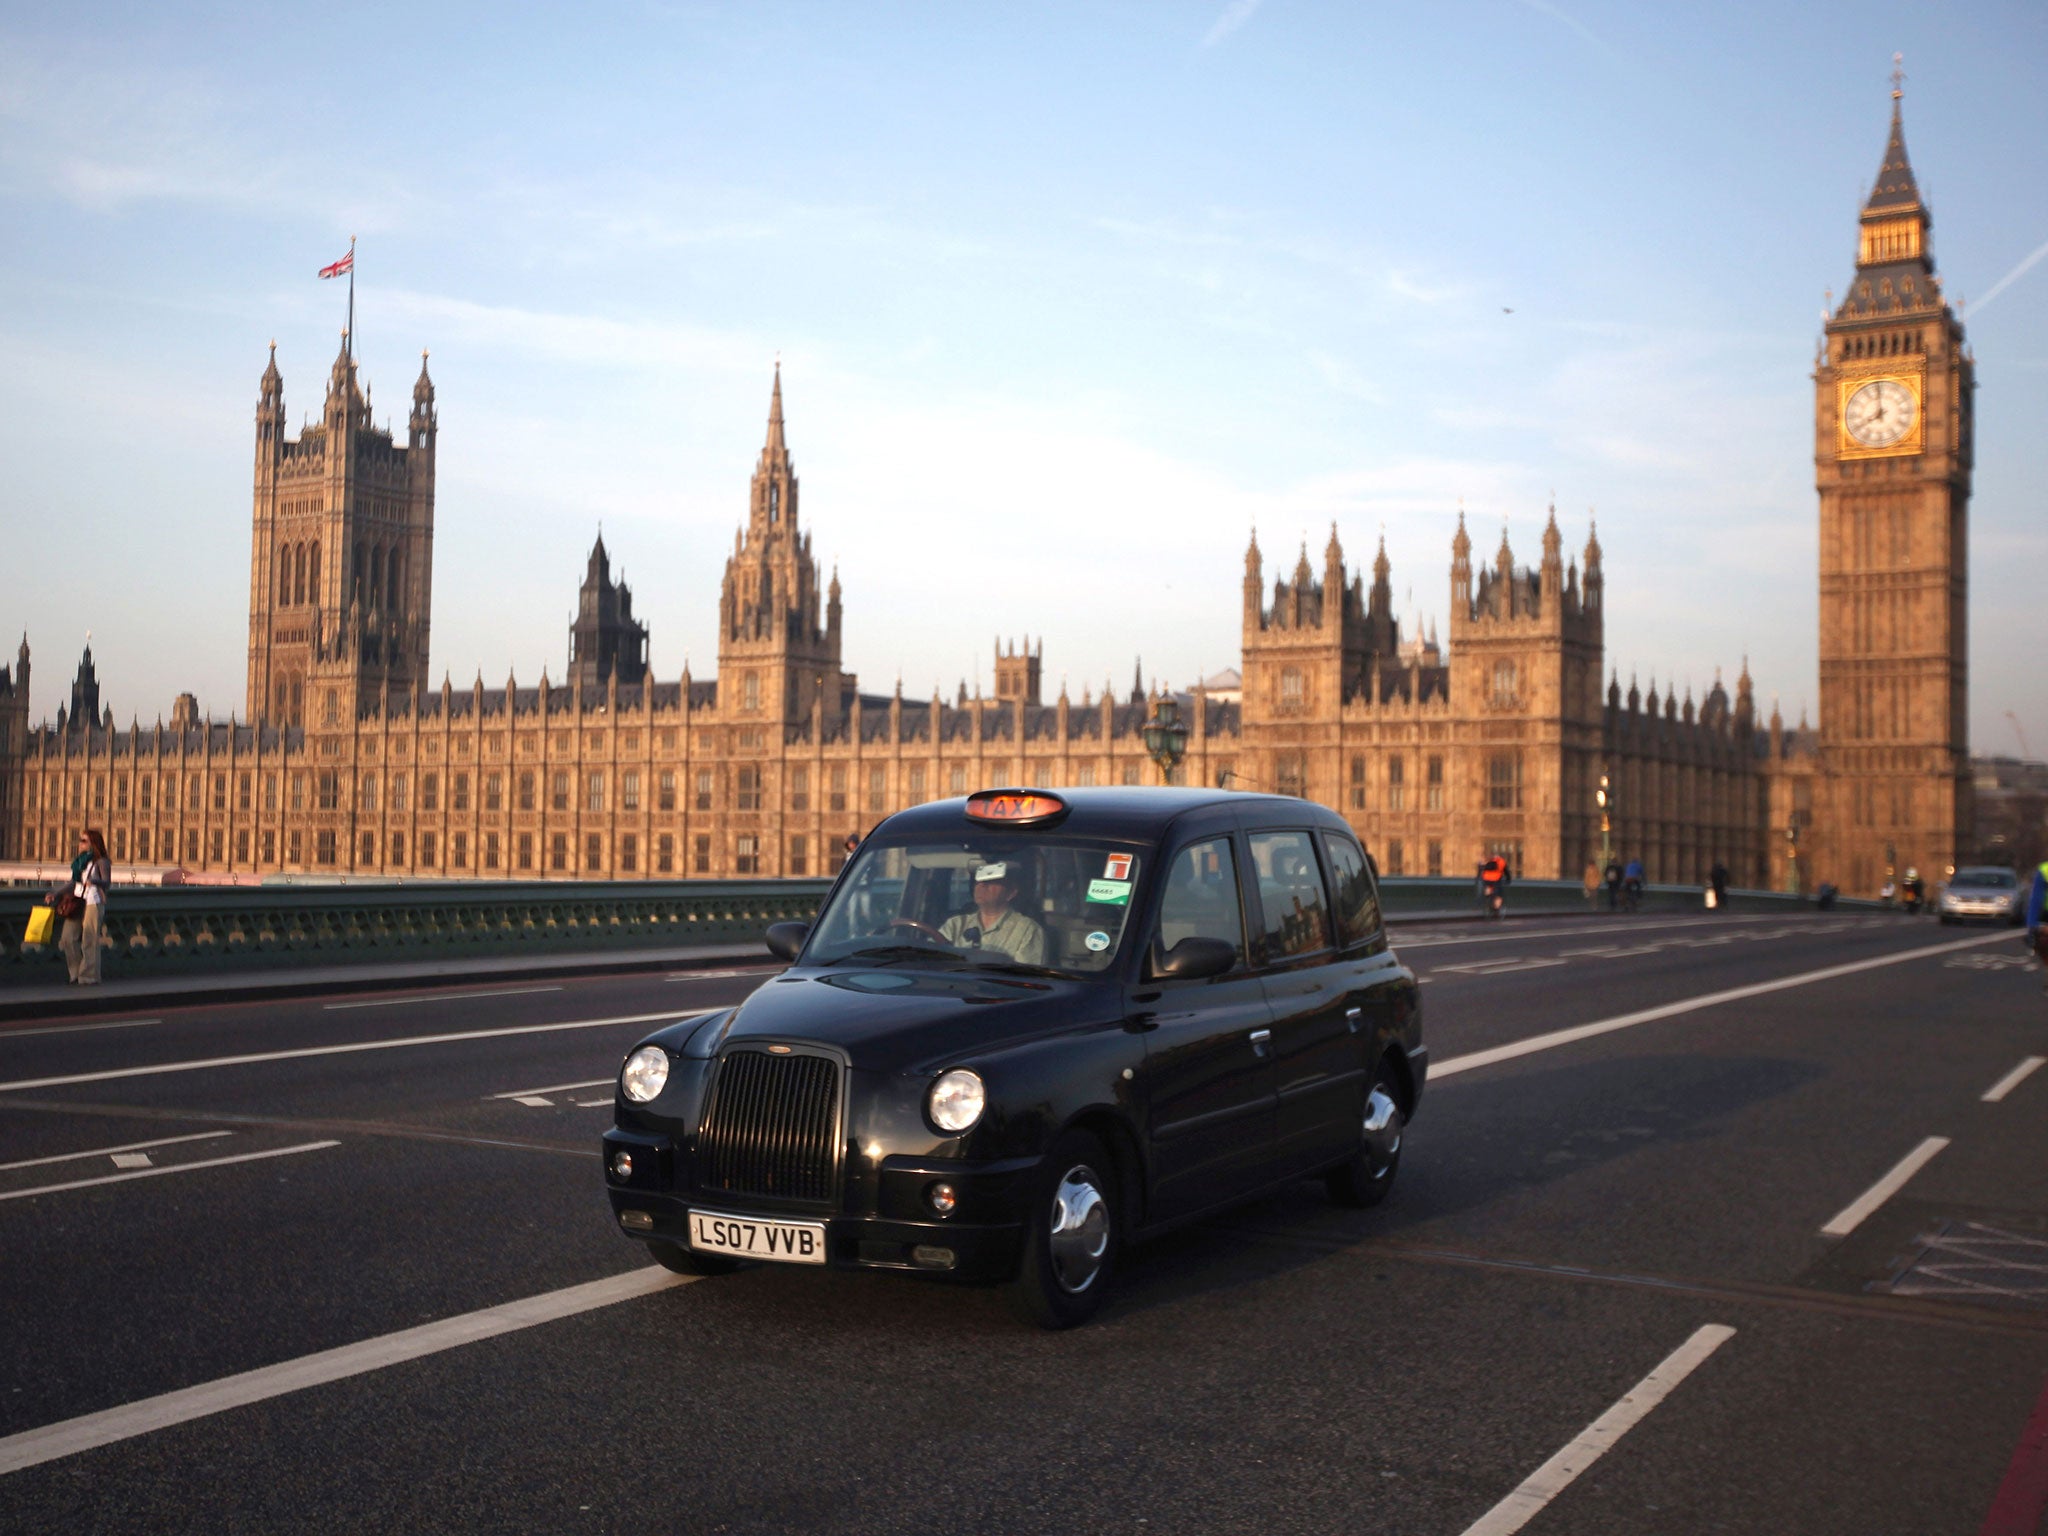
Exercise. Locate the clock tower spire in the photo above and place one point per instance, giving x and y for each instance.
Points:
(1892, 457)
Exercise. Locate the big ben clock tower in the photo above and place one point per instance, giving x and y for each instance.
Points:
(1892, 450)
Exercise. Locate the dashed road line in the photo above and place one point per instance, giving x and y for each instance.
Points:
(74, 1029)
(2014, 1078)
(132, 1146)
(54, 1441)
(1597, 1438)
(1577, 1032)
(1851, 1216)
(150, 1173)
(528, 1095)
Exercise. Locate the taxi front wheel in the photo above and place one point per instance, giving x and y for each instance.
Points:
(1070, 1236)
(683, 1260)
(1365, 1179)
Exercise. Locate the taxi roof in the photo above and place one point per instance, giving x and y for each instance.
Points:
(1126, 811)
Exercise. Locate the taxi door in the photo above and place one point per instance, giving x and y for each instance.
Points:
(1208, 1076)
(1319, 1026)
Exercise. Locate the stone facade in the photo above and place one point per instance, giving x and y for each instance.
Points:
(1438, 754)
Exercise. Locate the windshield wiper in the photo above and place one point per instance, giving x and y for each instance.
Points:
(1024, 968)
(884, 953)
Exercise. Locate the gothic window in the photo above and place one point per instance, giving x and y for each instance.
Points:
(1436, 857)
(706, 786)
(629, 793)
(244, 792)
(313, 572)
(143, 786)
(1433, 781)
(525, 855)
(1394, 856)
(746, 855)
(558, 851)
(774, 501)
(490, 850)
(667, 792)
(397, 581)
(665, 854)
(355, 577)
(99, 793)
(526, 789)
(333, 706)
(270, 846)
(298, 793)
(956, 780)
(917, 785)
(426, 850)
(750, 691)
(367, 799)
(749, 789)
(284, 577)
(458, 850)
(430, 791)
(323, 846)
(297, 714)
(629, 853)
(398, 849)
(120, 794)
(1291, 691)
(838, 789)
(399, 792)
(1041, 777)
(121, 843)
(142, 845)
(799, 855)
(700, 854)
(799, 789)
(1084, 776)
(191, 795)
(594, 797)
(593, 852)
(1504, 782)
(1503, 685)
(1397, 785)
(878, 789)
(1291, 776)
(558, 792)
(1358, 783)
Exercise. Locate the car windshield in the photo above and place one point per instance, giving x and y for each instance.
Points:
(1008, 902)
(2001, 879)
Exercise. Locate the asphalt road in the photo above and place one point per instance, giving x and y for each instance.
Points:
(1621, 1229)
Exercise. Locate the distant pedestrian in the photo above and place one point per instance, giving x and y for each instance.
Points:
(1632, 884)
(83, 905)
(1717, 883)
(1613, 879)
(1592, 881)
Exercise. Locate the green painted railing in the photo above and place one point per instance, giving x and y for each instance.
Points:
(194, 928)
(186, 928)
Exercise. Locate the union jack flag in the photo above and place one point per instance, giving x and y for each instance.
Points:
(339, 268)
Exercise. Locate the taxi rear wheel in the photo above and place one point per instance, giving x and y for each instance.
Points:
(1071, 1233)
(1364, 1180)
(682, 1260)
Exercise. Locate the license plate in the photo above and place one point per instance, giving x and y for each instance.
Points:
(750, 1237)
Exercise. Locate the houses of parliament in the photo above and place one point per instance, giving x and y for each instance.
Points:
(345, 758)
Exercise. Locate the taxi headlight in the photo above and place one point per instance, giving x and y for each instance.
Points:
(645, 1072)
(957, 1100)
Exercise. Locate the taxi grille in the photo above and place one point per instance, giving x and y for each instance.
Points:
(771, 1127)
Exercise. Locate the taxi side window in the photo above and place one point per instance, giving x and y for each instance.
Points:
(1357, 903)
(1290, 894)
(1201, 898)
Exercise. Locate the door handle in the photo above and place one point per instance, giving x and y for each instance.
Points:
(1352, 1016)
(1262, 1041)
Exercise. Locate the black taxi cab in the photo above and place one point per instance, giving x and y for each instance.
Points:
(1027, 1028)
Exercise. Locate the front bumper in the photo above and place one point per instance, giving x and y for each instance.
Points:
(1966, 910)
(885, 1220)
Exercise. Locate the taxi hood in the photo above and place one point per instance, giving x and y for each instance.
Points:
(901, 1019)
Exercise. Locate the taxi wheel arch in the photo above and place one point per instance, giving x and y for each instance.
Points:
(1363, 1179)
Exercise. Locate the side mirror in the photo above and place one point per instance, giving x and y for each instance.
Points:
(1194, 959)
(786, 940)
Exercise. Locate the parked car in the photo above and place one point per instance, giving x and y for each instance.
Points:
(1027, 1029)
(1986, 893)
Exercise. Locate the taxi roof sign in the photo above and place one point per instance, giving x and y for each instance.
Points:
(1015, 807)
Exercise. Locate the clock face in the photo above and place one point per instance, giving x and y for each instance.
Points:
(1880, 413)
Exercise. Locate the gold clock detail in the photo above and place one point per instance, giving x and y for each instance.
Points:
(1880, 414)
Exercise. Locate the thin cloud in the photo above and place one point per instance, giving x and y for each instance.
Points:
(1235, 15)
(1545, 8)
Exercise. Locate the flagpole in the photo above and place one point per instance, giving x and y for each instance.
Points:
(351, 298)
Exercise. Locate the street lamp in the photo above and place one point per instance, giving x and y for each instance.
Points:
(1605, 801)
(1792, 855)
(1166, 739)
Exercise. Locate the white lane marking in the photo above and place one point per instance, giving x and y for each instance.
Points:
(759, 970)
(1578, 1032)
(129, 1146)
(132, 1160)
(522, 1094)
(437, 997)
(336, 1050)
(150, 1173)
(1850, 1217)
(1431, 940)
(53, 1441)
(532, 1101)
(2014, 1078)
(74, 1029)
(607, 1101)
(1597, 1438)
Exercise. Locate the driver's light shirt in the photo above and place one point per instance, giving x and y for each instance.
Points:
(1013, 933)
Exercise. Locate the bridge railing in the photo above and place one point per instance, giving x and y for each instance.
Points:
(186, 928)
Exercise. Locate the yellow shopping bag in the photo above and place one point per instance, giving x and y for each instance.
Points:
(42, 926)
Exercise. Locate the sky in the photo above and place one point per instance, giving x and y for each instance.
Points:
(1069, 299)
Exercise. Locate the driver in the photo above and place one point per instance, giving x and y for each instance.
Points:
(995, 923)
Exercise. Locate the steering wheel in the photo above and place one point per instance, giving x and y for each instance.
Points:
(916, 927)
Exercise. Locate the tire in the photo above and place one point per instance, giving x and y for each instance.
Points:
(683, 1260)
(1364, 1180)
(1072, 1230)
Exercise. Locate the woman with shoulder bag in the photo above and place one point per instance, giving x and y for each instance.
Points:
(82, 906)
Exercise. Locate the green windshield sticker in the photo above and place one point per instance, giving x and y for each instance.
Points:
(1110, 893)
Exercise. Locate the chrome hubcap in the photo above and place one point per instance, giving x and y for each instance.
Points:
(1382, 1129)
(1079, 1238)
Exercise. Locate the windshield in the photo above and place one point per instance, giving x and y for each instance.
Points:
(1008, 902)
(2003, 879)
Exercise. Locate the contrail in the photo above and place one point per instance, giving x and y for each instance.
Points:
(2009, 279)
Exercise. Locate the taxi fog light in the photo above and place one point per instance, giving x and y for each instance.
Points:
(957, 1100)
(932, 1258)
(942, 1198)
(644, 1074)
(639, 1221)
(622, 1165)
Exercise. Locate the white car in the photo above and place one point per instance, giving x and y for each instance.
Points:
(1984, 894)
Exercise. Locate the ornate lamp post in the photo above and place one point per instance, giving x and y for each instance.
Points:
(1166, 739)
(1792, 855)
(1605, 801)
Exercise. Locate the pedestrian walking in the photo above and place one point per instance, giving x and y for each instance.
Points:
(1613, 878)
(1592, 882)
(1717, 883)
(82, 904)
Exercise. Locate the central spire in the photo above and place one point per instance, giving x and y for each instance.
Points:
(775, 442)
